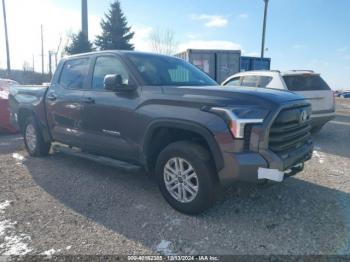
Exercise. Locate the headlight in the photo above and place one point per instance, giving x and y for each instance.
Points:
(239, 117)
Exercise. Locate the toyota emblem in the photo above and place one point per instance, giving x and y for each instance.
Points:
(303, 116)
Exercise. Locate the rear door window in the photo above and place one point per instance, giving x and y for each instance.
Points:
(306, 82)
(265, 81)
(74, 73)
(234, 82)
(250, 81)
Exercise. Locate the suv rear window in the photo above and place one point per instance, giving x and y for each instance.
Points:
(250, 81)
(305, 82)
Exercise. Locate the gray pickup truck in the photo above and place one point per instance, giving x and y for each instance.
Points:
(166, 116)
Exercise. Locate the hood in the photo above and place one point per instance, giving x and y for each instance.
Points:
(233, 96)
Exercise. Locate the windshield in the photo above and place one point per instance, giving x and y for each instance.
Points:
(158, 70)
(305, 82)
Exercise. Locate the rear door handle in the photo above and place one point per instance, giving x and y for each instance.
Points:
(52, 97)
(89, 100)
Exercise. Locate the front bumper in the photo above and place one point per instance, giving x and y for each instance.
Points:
(245, 166)
(5, 120)
(281, 143)
(321, 118)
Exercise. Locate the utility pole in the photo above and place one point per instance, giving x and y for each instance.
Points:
(42, 54)
(50, 64)
(84, 18)
(264, 29)
(58, 49)
(7, 40)
(33, 63)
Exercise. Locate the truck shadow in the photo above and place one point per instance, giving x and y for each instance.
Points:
(247, 218)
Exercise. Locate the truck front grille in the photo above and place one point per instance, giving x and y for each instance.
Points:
(290, 130)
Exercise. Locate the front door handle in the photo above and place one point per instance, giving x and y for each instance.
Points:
(89, 100)
(52, 97)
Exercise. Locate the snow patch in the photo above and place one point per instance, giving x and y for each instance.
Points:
(15, 245)
(4, 205)
(140, 207)
(18, 157)
(318, 155)
(6, 225)
(176, 222)
(49, 253)
(12, 244)
(164, 248)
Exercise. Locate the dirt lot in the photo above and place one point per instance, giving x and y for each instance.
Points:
(66, 205)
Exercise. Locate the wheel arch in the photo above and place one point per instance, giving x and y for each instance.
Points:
(182, 126)
(24, 113)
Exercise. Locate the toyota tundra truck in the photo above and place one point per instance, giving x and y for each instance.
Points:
(166, 116)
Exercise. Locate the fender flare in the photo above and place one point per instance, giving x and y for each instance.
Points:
(43, 128)
(188, 126)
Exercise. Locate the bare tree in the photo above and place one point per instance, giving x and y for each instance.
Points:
(163, 42)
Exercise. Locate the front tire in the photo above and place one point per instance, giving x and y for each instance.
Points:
(33, 140)
(186, 177)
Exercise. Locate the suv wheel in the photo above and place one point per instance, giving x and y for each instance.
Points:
(35, 144)
(186, 177)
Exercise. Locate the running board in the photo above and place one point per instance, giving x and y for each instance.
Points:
(121, 165)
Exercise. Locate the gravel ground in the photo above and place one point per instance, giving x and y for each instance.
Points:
(65, 205)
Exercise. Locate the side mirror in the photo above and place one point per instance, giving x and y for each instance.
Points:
(113, 82)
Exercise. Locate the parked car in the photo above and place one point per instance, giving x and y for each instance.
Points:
(5, 126)
(345, 95)
(305, 83)
(168, 117)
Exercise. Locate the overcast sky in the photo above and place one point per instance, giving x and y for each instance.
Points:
(312, 34)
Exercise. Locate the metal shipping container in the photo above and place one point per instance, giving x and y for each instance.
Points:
(245, 64)
(227, 64)
(218, 64)
(254, 63)
(261, 63)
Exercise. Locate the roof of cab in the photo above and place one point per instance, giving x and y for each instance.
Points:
(119, 52)
(298, 72)
(272, 72)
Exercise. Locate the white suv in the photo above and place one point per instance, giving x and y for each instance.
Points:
(306, 83)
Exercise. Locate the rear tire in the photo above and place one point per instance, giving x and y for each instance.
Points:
(33, 140)
(186, 177)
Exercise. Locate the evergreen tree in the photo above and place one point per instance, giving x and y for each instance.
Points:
(79, 44)
(116, 34)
